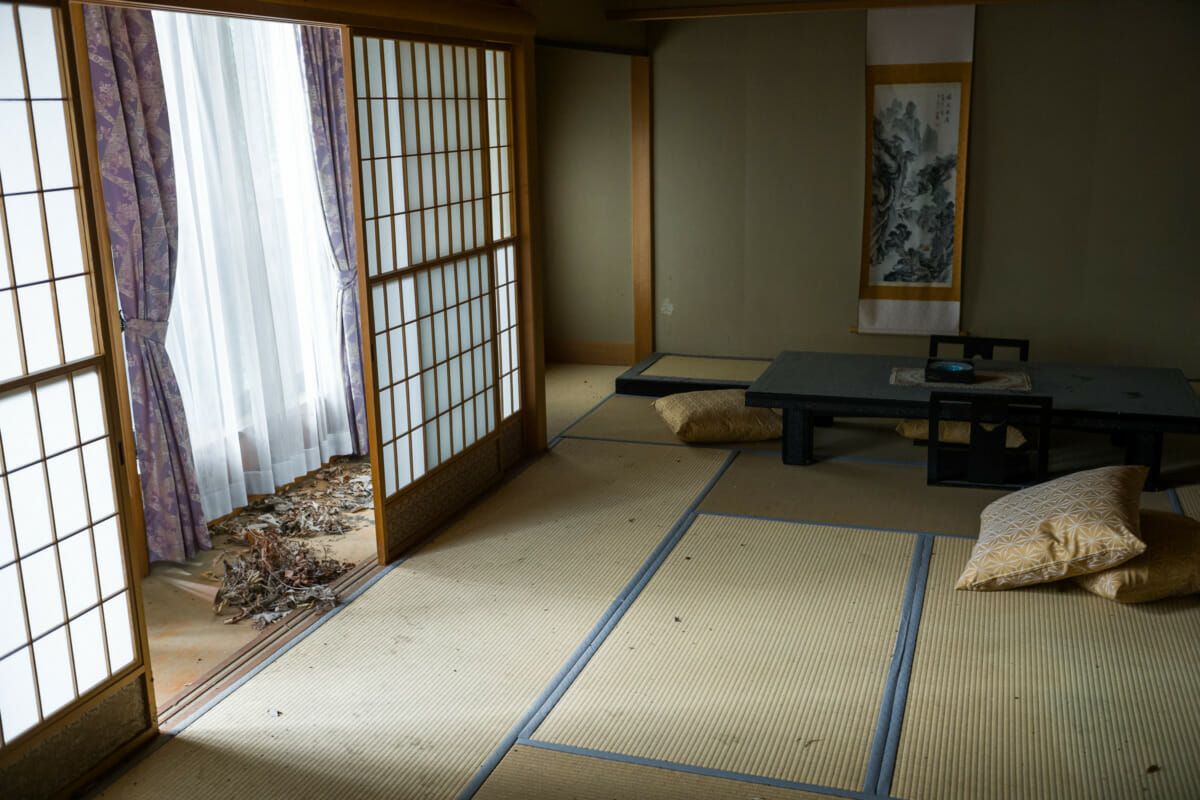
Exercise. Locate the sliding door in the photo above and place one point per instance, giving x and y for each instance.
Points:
(439, 245)
(72, 646)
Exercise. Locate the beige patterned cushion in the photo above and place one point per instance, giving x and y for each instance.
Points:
(1170, 567)
(1080, 523)
(953, 431)
(718, 416)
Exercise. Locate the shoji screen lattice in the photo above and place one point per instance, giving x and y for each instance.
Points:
(435, 126)
(66, 625)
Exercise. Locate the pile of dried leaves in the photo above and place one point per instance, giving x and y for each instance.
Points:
(274, 577)
(319, 505)
(279, 573)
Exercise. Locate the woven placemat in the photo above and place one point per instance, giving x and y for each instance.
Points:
(985, 380)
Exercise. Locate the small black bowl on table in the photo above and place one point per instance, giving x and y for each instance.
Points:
(944, 370)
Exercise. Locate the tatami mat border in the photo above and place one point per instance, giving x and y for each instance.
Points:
(882, 763)
(1173, 496)
(559, 436)
(167, 736)
(562, 681)
(887, 462)
(566, 434)
(704, 446)
(572, 669)
(712, 773)
(333, 612)
(882, 759)
(835, 525)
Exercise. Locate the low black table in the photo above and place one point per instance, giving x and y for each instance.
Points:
(1140, 403)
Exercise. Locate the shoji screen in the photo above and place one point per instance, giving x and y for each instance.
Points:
(500, 194)
(67, 624)
(434, 131)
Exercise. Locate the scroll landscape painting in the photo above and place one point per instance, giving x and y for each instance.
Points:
(918, 97)
(916, 171)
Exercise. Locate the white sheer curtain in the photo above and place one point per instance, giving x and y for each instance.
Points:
(253, 331)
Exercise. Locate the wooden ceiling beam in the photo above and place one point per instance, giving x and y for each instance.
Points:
(436, 17)
(784, 7)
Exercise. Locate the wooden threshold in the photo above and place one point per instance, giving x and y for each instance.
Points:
(177, 709)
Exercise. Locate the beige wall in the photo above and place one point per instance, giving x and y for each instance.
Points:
(758, 181)
(1082, 188)
(583, 22)
(1082, 182)
(583, 107)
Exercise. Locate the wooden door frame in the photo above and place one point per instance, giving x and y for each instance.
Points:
(110, 367)
(452, 19)
(642, 228)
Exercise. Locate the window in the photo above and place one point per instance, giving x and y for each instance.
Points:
(254, 333)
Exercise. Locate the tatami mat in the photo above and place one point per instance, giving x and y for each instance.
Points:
(629, 418)
(723, 369)
(408, 690)
(1189, 500)
(859, 493)
(573, 389)
(1071, 451)
(534, 773)
(865, 437)
(1156, 501)
(1049, 692)
(759, 648)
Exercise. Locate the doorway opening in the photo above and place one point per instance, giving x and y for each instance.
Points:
(257, 342)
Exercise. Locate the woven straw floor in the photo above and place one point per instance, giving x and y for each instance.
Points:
(582, 633)
(409, 689)
(759, 648)
(1049, 692)
(727, 369)
(534, 773)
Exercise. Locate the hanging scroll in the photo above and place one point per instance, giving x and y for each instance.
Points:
(918, 98)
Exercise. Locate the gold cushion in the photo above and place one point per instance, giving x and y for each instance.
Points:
(1170, 567)
(954, 431)
(718, 416)
(1080, 523)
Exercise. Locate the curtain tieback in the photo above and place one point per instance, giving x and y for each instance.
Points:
(152, 329)
(347, 279)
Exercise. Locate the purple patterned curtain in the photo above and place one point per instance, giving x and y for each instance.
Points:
(321, 54)
(138, 177)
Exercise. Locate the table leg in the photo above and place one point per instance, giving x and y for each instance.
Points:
(1145, 447)
(797, 436)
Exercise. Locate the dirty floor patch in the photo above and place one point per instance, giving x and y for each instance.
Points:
(409, 689)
